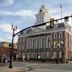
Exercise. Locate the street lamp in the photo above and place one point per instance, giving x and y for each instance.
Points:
(11, 50)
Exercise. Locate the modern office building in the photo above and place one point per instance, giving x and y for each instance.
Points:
(50, 41)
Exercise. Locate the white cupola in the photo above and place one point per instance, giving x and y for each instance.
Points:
(42, 15)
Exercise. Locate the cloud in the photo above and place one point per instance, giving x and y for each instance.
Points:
(52, 11)
(8, 38)
(6, 28)
(4, 3)
(25, 13)
(5, 13)
(56, 13)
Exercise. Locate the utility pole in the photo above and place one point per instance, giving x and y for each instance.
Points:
(11, 50)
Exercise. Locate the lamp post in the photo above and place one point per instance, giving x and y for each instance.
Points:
(11, 50)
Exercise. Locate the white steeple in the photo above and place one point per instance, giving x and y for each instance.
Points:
(42, 15)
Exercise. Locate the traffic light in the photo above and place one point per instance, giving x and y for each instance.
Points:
(66, 19)
(51, 22)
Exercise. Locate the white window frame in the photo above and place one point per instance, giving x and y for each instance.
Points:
(55, 35)
(60, 45)
(54, 44)
(60, 35)
(54, 54)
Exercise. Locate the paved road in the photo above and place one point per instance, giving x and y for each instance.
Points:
(44, 67)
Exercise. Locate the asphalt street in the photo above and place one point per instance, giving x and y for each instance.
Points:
(36, 67)
(42, 67)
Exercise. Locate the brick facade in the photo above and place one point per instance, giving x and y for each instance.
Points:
(5, 50)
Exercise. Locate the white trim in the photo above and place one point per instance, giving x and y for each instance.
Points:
(43, 32)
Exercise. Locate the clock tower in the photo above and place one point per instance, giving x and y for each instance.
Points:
(42, 15)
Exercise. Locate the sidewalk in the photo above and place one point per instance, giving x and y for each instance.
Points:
(14, 69)
(2, 64)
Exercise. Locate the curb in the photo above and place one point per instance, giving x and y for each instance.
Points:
(2, 64)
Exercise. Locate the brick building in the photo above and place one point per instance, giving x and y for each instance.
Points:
(5, 49)
(51, 41)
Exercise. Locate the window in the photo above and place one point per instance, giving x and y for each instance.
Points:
(42, 55)
(28, 43)
(48, 41)
(19, 47)
(18, 39)
(40, 10)
(21, 39)
(54, 54)
(60, 44)
(42, 42)
(60, 54)
(37, 42)
(22, 47)
(60, 35)
(48, 38)
(48, 55)
(34, 43)
(54, 44)
(48, 44)
(54, 35)
(68, 35)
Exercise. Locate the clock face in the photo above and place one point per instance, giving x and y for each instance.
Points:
(40, 10)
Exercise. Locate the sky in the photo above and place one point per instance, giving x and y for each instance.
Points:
(22, 14)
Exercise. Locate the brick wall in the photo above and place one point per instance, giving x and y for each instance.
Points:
(6, 52)
(68, 45)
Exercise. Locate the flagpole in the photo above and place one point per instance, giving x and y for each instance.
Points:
(61, 10)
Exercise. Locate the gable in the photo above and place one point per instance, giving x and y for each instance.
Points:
(37, 30)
